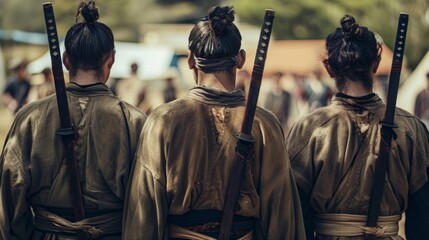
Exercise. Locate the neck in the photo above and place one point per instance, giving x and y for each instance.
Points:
(224, 80)
(87, 77)
(355, 89)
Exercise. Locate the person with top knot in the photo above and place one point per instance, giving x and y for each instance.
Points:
(35, 201)
(334, 150)
(186, 153)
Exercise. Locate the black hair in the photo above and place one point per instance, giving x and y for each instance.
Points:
(351, 53)
(216, 36)
(88, 43)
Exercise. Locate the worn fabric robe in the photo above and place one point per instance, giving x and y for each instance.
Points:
(184, 160)
(333, 152)
(32, 163)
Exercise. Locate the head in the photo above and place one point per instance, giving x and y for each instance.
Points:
(134, 68)
(89, 44)
(353, 54)
(21, 71)
(19, 67)
(47, 74)
(215, 42)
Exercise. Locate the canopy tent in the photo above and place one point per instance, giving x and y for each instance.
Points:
(2, 71)
(415, 82)
(303, 56)
(153, 61)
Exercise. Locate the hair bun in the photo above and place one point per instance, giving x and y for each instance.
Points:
(88, 11)
(349, 27)
(221, 19)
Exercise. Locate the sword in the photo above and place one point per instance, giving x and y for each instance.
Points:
(245, 141)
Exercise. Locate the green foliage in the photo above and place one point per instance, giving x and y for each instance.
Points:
(295, 19)
(307, 19)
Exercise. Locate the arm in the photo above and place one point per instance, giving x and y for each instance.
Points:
(307, 214)
(417, 106)
(417, 214)
(145, 212)
(15, 214)
(280, 214)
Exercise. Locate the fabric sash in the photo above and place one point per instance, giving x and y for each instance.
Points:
(349, 225)
(183, 233)
(93, 227)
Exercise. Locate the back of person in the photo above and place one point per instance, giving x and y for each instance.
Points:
(15, 95)
(187, 150)
(334, 150)
(421, 108)
(35, 199)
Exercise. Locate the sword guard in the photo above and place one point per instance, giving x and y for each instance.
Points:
(388, 124)
(245, 137)
(66, 132)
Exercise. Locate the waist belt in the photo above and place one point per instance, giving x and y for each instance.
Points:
(207, 222)
(92, 227)
(349, 225)
(177, 232)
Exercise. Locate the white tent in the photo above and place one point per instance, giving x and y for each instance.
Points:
(413, 85)
(153, 61)
(2, 71)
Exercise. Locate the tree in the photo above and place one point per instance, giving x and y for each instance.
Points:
(309, 19)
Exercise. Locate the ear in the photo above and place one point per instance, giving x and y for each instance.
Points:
(328, 69)
(376, 65)
(111, 59)
(191, 60)
(66, 60)
(241, 58)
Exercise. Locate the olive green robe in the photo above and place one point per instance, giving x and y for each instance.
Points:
(184, 160)
(32, 173)
(333, 152)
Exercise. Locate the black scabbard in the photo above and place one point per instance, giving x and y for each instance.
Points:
(388, 124)
(244, 142)
(67, 131)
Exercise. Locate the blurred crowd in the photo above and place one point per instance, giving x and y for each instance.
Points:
(21, 88)
(287, 96)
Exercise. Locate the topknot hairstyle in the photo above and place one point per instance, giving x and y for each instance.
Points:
(221, 19)
(88, 11)
(351, 52)
(88, 43)
(215, 36)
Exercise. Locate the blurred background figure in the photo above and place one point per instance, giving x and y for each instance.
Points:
(16, 92)
(169, 91)
(319, 93)
(133, 90)
(421, 108)
(47, 87)
(278, 101)
(243, 81)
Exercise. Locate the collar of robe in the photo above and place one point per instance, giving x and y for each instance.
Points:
(214, 96)
(369, 102)
(91, 88)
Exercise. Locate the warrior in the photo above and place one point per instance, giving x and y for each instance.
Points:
(35, 201)
(187, 148)
(334, 150)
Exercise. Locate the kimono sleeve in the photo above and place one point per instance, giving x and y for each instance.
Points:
(280, 216)
(145, 213)
(15, 213)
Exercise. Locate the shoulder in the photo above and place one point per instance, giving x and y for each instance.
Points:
(319, 117)
(408, 122)
(34, 108)
(175, 109)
